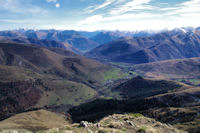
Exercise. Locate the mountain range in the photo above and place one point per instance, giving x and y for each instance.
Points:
(72, 38)
(175, 44)
(42, 42)
(75, 40)
(46, 81)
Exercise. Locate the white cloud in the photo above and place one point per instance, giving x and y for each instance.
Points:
(129, 16)
(146, 24)
(97, 19)
(168, 8)
(106, 3)
(128, 6)
(190, 6)
(122, 18)
(191, 3)
(131, 6)
(118, 14)
(91, 9)
(120, 1)
(191, 15)
(57, 5)
(184, 10)
(91, 20)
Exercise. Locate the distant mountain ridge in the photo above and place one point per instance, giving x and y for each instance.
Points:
(69, 36)
(40, 42)
(175, 44)
(105, 37)
(84, 41)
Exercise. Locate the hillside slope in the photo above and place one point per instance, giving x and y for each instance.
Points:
(180, 68)
(35, 76)
(138, 88)
(47, 61)
(34, 121)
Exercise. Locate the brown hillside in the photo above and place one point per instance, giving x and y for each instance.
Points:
(180, 68)
(61, 63)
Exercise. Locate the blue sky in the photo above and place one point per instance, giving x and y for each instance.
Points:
(99, 14)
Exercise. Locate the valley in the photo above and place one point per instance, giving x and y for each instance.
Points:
(103, 81)
(99, 66)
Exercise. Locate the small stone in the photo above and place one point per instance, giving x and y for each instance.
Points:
(130, 123)
(84, 124)
(98, 125)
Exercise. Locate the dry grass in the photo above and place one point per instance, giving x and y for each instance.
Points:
(35, 120)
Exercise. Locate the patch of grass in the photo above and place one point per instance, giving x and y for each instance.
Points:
(115, 74)
(124, 129)
(68, 128)
(136, 115)
(66, 92)
(54, 131)
(195, 81)
(118, 132)
(190, 81)
(111, 74)
(124, 66)
(79, 130)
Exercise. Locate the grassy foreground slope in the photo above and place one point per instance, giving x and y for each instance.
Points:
(35, 120)
(43, 121)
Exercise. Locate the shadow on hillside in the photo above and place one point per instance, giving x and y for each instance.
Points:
(98, 109)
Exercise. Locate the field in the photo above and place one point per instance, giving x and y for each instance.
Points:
(66, 92)
(195, 82)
